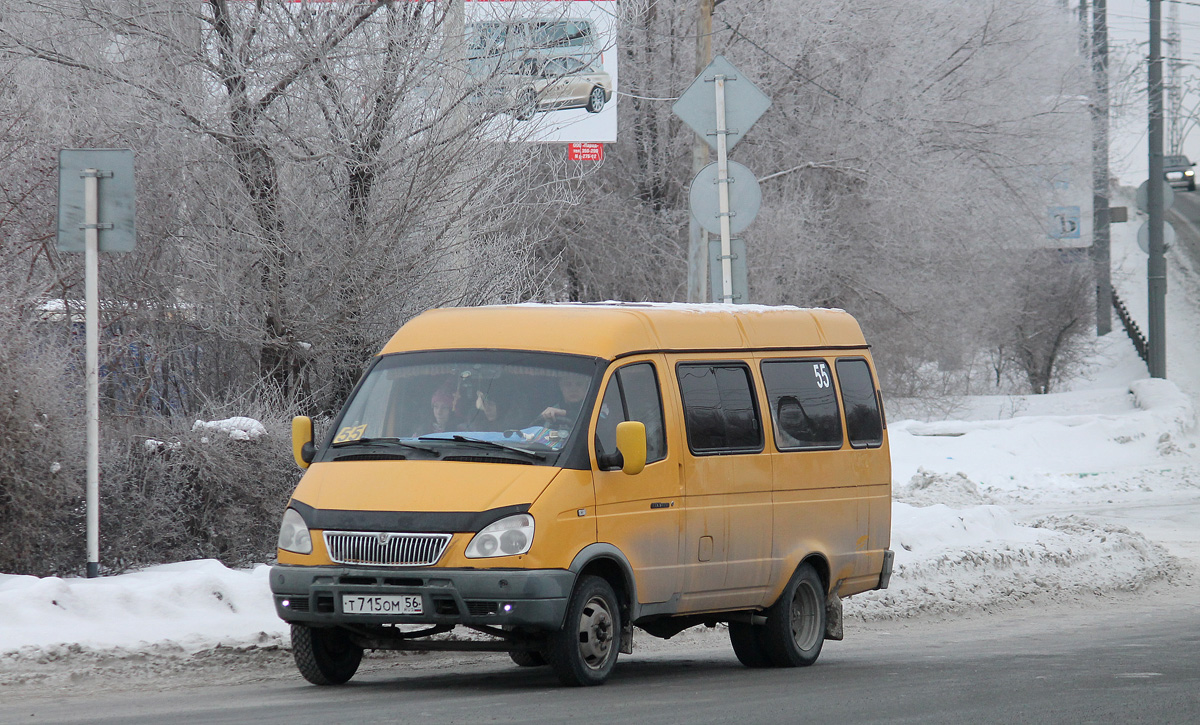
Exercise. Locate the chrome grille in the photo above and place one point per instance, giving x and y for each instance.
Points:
(385, 548)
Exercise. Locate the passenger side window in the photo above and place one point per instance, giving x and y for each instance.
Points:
(804, 406)
(632, 394)
(864, 424)
(719, 410)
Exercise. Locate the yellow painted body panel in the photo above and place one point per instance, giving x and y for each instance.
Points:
(835, 503)
(642, 515)
(612, 330)
(561, 532)
(420, 485)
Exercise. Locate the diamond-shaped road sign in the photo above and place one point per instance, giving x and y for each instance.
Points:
(744, 103)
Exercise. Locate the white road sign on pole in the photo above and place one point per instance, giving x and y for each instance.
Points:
(87, 207)
(721, 116)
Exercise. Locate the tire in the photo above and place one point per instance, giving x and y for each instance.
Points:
(595, 102)
(795, 628)
(584, 652)
(526, 658)
(1191, 185)
(324, 656)
(748, 644)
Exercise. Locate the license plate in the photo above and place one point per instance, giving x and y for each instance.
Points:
(381, 604)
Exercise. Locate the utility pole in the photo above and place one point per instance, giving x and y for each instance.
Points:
(1083, 28)
(1173, 87)
(1101, 236)
(697, 237)
(1156, 267)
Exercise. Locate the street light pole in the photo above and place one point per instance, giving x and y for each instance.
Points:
(1156, 266)
(1101, 236)
(697, 237)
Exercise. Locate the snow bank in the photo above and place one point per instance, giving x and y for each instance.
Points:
(1124, 432)
(195, 604)
(980, 558)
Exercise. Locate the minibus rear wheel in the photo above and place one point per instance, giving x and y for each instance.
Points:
(585, 650)
(324, 656)
(795, 628)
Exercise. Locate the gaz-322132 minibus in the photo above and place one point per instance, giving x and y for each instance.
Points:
(552, 476)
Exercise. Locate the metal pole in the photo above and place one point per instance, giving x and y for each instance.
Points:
(91, 325)
(1172, 88)
(1156, 267)
(697, 236)
(1101, 232)
(723, 195)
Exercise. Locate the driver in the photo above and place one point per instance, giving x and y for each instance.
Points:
(574, 389)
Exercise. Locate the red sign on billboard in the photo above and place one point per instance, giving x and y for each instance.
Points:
(585, 152)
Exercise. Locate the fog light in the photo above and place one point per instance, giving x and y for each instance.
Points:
(507, 608)
(286, 602)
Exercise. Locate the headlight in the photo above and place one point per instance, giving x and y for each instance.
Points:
(293, 533)
(507, 537)
(1189, 173)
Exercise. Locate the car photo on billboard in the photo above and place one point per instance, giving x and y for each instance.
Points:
(556, 84)
(555, 73)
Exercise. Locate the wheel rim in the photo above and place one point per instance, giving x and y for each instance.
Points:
(805, 620)
(597, 98)
(595, 633)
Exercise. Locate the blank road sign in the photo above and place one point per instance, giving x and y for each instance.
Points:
(745, 198)
(744, 103)
(116, 196)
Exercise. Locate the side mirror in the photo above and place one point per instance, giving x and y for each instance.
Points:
(631, 442)
(303, 450)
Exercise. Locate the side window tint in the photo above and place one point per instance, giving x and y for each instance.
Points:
(719, 409)
(803, 403)
(633, 394)
(612, 411)
(644, 403)
(864, 425)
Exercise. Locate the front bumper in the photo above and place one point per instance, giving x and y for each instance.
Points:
(534, 599)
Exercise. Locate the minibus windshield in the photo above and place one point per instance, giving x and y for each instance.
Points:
(495, 404)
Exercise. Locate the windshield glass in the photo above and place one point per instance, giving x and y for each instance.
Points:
(481, 403)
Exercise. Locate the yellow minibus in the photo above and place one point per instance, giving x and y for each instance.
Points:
(550, 477)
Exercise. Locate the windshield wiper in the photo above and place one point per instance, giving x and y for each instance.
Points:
(384, 442)
(487, 444)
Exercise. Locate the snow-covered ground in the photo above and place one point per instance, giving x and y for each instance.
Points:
(1064, 496)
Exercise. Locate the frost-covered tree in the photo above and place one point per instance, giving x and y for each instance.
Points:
(318, 156)
(902, 162)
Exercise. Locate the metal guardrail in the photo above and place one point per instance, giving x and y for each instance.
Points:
(1131, 328)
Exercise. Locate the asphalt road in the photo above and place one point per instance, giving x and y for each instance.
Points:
(1125, 659)
(1184, 215)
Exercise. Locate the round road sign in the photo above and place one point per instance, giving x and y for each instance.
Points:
(745, 198)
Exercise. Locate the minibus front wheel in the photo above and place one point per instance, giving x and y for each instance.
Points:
(325, 656)
(585, 650)
(527, 658)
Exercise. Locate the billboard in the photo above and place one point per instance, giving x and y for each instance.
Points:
(549, 67)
